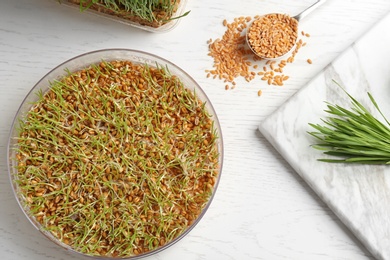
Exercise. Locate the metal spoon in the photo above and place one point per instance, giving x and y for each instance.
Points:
(297, 17)
(308, 10)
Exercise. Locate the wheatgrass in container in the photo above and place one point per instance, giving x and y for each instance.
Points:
(149, 15)
(115, 154)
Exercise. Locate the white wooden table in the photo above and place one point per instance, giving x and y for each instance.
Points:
(262, 209)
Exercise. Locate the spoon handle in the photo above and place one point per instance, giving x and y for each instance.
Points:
(309, 10)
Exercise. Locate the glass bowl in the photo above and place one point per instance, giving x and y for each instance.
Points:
(15, 147)
(180, 11)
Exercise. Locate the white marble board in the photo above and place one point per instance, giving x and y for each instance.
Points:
(358, 194)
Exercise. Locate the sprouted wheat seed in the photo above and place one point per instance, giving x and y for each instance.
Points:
(117, 159)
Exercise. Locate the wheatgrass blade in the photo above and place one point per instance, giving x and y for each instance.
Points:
(353, 134)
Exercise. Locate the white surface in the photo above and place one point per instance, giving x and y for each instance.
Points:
(358, 194)
(262, 209)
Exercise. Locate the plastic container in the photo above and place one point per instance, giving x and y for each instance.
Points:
(76, 64)
(138, 24)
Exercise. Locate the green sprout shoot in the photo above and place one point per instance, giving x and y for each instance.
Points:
(354, 135)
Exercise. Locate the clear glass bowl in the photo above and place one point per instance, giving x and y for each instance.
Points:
(160, 29)
(81, 62)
